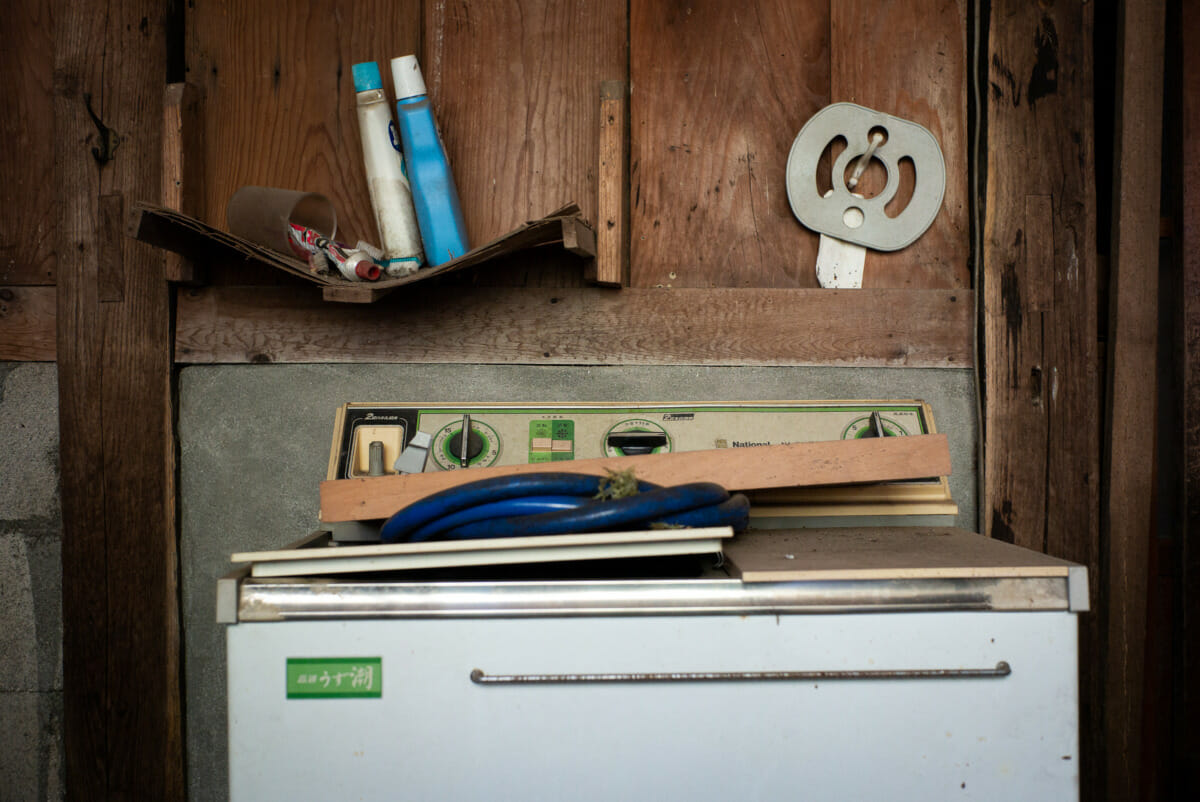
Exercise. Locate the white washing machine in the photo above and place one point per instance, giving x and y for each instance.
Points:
(950, 676)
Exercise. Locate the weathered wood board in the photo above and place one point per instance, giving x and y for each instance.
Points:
(580, 326)
(122, 725)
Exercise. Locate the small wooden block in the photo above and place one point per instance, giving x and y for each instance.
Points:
(612, 257)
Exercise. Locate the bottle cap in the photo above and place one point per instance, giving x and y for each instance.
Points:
(366, 76)
(406, 76)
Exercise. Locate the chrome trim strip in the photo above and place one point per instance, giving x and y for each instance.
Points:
(307, 599)
(1002, 669)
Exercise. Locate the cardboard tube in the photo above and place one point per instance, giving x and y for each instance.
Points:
(262, 214)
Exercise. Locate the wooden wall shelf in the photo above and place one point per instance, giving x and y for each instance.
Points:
(195, 239)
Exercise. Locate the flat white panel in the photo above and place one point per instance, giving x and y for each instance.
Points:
(436, 735)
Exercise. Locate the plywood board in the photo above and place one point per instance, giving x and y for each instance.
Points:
(889, 328)
(27, 324)
(851, 553)
(910, 60)
(28, 223)
(792, 465)
(720, 90)
(514, 86)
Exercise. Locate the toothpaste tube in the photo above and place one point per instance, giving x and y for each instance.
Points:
(320, 251)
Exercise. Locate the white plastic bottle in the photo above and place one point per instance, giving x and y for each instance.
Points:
(387, 180)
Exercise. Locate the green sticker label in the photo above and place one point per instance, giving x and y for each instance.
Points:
(334, 677)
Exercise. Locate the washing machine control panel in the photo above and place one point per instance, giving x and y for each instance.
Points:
(457, 437)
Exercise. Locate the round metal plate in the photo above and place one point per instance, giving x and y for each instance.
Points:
(828, 215)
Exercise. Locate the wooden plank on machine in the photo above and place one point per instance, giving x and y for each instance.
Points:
(793, 465)
(872, 553)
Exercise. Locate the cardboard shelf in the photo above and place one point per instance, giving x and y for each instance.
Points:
(183, 234)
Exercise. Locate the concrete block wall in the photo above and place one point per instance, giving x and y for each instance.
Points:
(31, 699)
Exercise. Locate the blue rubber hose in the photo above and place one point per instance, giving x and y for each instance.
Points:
(631, 512)
(558, 503)
(529, 505)
(403, 524)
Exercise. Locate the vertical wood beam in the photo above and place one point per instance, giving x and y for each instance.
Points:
(1041, 399)
(1189, 580)
(120, 614)
(183, 167)
(1127, 518)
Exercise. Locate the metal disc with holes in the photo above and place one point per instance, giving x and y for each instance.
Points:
(846, 216)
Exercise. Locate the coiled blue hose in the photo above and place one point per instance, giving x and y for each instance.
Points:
(558, 503)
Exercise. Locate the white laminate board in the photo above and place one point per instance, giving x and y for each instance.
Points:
(314, 555)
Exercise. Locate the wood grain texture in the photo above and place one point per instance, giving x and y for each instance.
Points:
(612, 220)
(916, 70)
(27, 197)
(1130, 460)
(832, 462)
(1188, 709)
(898, 328)
(183, 167)
(513, 85)
(27, 327)
(279, 99)
(122, 709)
(720, 90)
(1042, 462)
(881, 553)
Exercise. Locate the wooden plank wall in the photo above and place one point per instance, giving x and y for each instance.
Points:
(1042, 415)
(122, 706)
(719, 90)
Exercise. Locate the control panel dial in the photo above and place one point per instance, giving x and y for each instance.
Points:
(636, 436)
(483, 445)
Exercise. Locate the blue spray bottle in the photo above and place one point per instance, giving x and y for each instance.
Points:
(439, 214)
